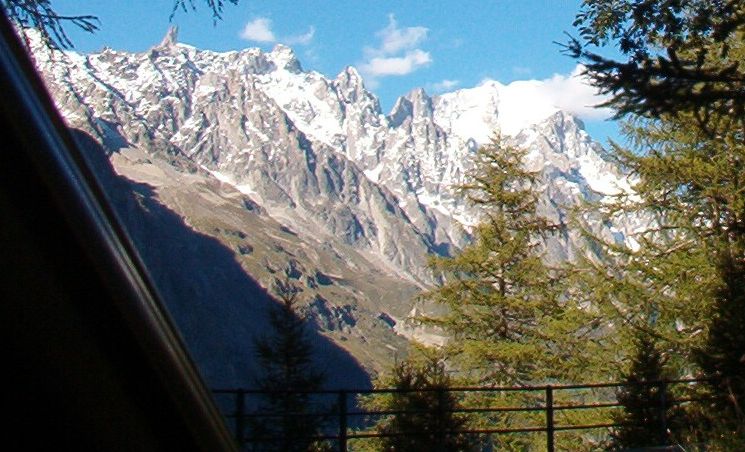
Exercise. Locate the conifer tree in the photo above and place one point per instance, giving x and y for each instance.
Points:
(648, 419)
(723, 356)
(285, 361)
(505, 315)
(671, 55)
(426, 419)
(685, 269)
(683, 79)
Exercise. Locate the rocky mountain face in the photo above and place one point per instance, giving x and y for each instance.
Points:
(343, 198)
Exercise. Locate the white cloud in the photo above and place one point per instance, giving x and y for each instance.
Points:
(394, 39)
(525, 102)
(573, 93)
(444, 85)
(382, 66)
(398, 52)
(259, 30)
(302, 39)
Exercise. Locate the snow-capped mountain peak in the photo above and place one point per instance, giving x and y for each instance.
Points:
(479, 112)
(284, 58)
(294, 172)
(271, 127)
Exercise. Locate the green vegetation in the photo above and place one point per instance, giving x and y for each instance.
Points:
(675, 289)
(669, 301)
(506, 314)
(285, 359)
(676, 55)
(419, 391)
(647, 417)
(682, 86)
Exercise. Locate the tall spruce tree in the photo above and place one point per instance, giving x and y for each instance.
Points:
(509, 315)
(287, 372)
(685, 269)
(662, 277)
(505, 315)
(647, 418)
(683, 80)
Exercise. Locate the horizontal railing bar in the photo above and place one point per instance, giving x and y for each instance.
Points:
(506, 430)
(691, 399)
(464, 388)
(586, 426)
(588, 406)
(259, 415)
(497, 409)
(640, 383)
(461, 410)
(459, 432)
(362, 435)
(320, 400)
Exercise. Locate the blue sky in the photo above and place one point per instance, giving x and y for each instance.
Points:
(397, 45)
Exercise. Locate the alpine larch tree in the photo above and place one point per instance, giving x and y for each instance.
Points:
(507, 316)
(498, 289)
(680, 82)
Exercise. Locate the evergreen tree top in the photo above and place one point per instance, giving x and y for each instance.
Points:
(677, 54)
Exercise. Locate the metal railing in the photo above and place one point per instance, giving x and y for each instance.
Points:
(353, 422)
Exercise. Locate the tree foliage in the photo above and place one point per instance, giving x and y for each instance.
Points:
(676, 54)
(682, 82)
(647, 418)
(215, 6)
(287, 375)
(723, 356)
(663, 277)
(41, 15)
(425, 419)
(680, 279)
(508, 321)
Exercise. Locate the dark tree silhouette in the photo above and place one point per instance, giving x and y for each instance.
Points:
(285, 358)
(215, 6)
(40, 15)
(427, 421)
(723, 357)
(647, 416)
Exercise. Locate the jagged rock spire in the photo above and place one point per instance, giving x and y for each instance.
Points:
(171, 37)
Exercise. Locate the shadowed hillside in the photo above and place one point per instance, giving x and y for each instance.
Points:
(218, 307)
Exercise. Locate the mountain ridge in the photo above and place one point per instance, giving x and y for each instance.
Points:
(366, 190)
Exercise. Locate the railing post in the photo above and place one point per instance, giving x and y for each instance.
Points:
(240, 415)
(342, 421)
(662, 387)
(440, 419)
(549, 418)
